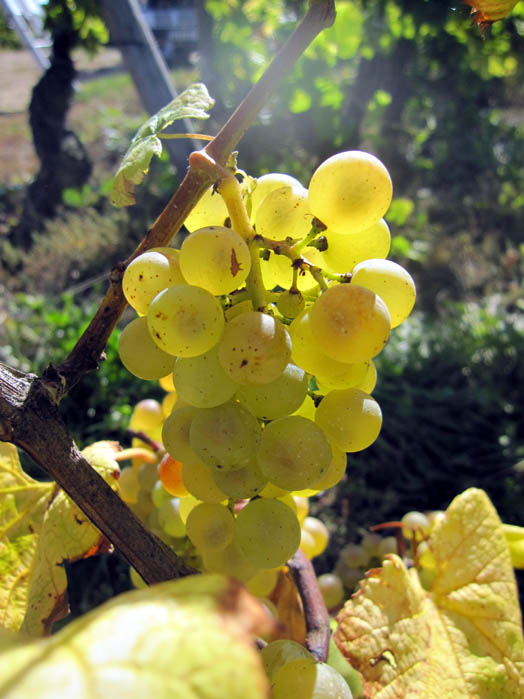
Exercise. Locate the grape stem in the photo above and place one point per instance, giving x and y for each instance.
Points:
(316, 615)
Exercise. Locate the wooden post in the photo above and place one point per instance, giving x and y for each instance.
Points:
(130, 33)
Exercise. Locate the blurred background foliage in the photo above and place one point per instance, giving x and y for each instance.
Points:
(442, 104)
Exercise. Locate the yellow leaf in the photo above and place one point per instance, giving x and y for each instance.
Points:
(40, 528)
(463, 637)
(188, 639)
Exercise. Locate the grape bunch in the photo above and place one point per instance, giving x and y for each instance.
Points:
(262, 327)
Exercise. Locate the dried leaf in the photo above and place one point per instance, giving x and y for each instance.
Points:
(40, 528)
(463, 637)
(486, 12)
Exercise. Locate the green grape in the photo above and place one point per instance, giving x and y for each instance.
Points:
(387, 545)
(229, 561)
(265, 185)
(318, 532)
(147, 275)
(216, 259)
(354, 556)
(128, 485)
(201, 381)
(349, 576)
(284, 213)
(290, 303)
(136, 579)
(307, 409)
(169, 518)
(147, 415)
(187, 504)
(147, 476)
(159, 495)
(425, 556)
(255, 348)
(350, 191)
(185, 320)
(293, 452)
(263, 583)
(352, 376)
(279, 397)
(210, 526)
(277, 270)
(351, 418)
(371, 542)
(278, 653)
(307, 354)
(332, 589)
(226, 436)
(368, 383)
(198, 479)
(140, 355)
(242, 483)
(267, 532)
(334, 472)
(308, 679)
(302, 504)
(211, 210)
(175, 433)
(345, 251)
(415, 524)
(350, 323)
(391, 282)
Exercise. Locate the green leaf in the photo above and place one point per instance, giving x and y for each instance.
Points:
(189, 639)
(193, 103)
(40, 528)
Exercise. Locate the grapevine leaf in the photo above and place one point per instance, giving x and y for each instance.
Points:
(462, 637)
(193, 103)
(485, 12)
(40, 528)
(190, 638)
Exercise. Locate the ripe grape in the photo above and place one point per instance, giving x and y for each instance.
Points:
(210, 526)
(334, 472)
(147, 415)
(350, 323)
(284, 213)
(354, 556)
(387, 545)
(319, 533)
(255, 348)
(242, 483)
(277, 270)
(278, 653)
(263, 583)
(279, 397)
(199, 481)
(128, 485)
(175, 433)
(391, 282)
(216, 259)
(332, 589)
(267, 532)
(308, 679)
(265, 185)
(226, 436)
(351, 418)
(169, 518)
(140, 355)
(211, 210)
(344, 251)
(185, 320)
(290, 303)
(415, 524)
(201, 381)
(294, 452)
(350, 191)
(170, 475)
(147, 275)
(229, 561)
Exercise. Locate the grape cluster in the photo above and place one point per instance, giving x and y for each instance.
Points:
(264, 338)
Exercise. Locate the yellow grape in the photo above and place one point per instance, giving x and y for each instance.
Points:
(284, 213)
(391, 282)
(210, 526)
(344, 250)
(140, 355)
(147, 275)
(211, 210)
(265, 185)
(350, 191)
(351, 418)
(350, 323)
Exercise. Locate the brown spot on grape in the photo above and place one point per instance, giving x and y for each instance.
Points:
(235, 264)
